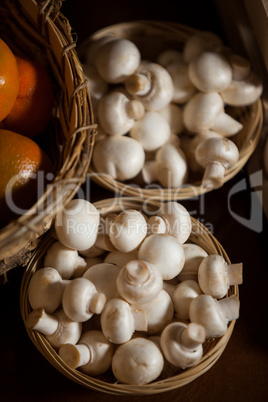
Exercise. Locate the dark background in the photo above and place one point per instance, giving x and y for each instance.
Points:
(241, 373)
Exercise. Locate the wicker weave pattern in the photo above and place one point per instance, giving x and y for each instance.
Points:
(213, 348)
(39, 30)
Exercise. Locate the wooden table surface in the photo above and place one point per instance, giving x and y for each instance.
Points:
(241, 373)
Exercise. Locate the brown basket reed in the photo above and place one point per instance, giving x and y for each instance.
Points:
(213, 348)
(39, 30)
(152, 37)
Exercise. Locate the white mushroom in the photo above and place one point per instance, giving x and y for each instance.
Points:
(120, 259)
(152, 131)
(182, 296)
(148, 172)
(216, 155)
(165, 252)
(137, 362)
(159, 312)
(171, 166)
(65, 260)
(117, 113)
(243, 92)
(117, 59)
(205, 111)
(215, 276)
(200, 42)
(183, 86)
(97, 87)
(210, 72)
(81, 300)
(139, 281)
(103, 276)
(92, 354)
(128, 230)
(168, 56)
(177, 220)
(194, 255)
(119, 321)
(57, 328)
(120, 157)
(45, 289)
(77, 224)
(182, 344)
(173, 114)
(214, 314)
(190, 143)
(152, 85)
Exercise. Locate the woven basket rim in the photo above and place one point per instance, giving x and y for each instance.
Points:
(213, 348)
(252, 131)
(53, 31)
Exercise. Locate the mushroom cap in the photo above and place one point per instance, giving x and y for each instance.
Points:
(213, 277)
(198, 43)
(152, 131)
(120, 157)
(117, 321)
(117, 113)
(194, 254)
(128, 230)
(217, 149)
(77, 224)
(210, 72)
(120, 259)
(159, 312)
(101, 352)
(168, 56)
(116, 59)
(173, 114)
(182, 296)
(139, 281)
(103, 276)
(68, 331)
(137, 362)
(172, 349)
(63, 259)
(45, 289)
(171, 166)
(81, 300)
(183, 86)
(201, 111)
(243, 93)
(165, 252)
(178, 220)
(205, 310)
(162, 88)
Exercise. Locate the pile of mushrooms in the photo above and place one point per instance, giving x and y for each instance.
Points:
(129, 293)
(161, 120)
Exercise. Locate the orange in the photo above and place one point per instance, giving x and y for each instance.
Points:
(9, 80)
(32, 109)
(24, 169)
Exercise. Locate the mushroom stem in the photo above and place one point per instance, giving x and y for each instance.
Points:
(97, 303)
(138, 84)
(140, 318)
(230, 307)
(136, 272)
(226, 125)
(75, 355)
(157, 225)
(235, 273)
(214, 175)
(134, 109)
(240, 67)
(192, 336)
(40, 321)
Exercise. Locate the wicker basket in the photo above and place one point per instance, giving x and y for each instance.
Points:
(164, 35)
(39, 30)
(213, 348)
